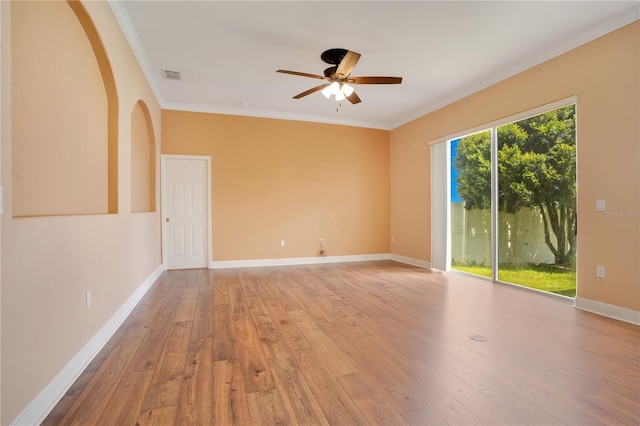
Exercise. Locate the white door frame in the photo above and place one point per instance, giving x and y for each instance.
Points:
(163, 186)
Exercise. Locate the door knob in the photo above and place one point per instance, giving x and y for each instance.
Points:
(168, 219)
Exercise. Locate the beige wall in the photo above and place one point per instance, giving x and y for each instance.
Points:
(50, 262)
(604, 74)
(278, 180)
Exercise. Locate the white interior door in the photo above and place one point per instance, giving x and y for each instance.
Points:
(186, 211)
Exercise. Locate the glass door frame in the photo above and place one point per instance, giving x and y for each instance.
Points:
(438, 185)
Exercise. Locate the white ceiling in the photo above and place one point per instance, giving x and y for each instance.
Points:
(228, 51)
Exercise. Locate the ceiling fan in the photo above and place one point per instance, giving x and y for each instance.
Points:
(338, 77)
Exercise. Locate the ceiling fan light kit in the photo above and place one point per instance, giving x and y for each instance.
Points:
(331, 89)
(339, 90)
(338, 77)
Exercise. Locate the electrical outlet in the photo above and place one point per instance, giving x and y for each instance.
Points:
(88, 299)
(600, 205)
(600, 271)
(393, 239)
(321, 241)
(281, 243)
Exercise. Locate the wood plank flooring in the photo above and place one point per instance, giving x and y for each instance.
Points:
(377, 343)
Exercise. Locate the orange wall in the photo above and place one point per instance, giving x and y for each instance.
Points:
(605, 75)
(142, 162)
(286, 180)
(52, 131)
(48, 263)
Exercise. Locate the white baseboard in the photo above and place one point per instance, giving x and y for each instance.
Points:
(611, 311)
(252, 263)
(38, 409)
(411, 261)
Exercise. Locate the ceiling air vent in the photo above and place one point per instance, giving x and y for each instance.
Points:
(172, 75)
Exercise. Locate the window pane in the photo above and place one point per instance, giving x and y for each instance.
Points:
(471, 204)
(537, 202)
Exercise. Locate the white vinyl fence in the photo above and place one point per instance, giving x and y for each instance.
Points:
(520, 237)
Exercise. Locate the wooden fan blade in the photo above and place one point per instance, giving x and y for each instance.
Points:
(353, 98)
(346, 65)
(375, 80)
(303, 74)
(310, 91)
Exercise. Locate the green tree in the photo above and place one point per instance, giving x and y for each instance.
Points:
(536, 168)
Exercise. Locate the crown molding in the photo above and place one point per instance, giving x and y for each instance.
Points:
(616, 22)
(122, 17)
(272, 115)
(130, 34)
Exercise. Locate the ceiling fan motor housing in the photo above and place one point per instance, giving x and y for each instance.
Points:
(331, 71)
(333, 56)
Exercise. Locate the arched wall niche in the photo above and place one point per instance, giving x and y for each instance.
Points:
(143, 160)
(64, 113)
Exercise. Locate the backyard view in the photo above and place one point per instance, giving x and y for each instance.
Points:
(536, 208)
(544, 277)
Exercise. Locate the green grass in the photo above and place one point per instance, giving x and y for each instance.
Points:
(550, 278)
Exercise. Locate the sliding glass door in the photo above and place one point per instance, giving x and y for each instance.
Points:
(537, 202)
(512, 207)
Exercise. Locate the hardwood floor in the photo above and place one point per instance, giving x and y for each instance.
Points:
(362, 343)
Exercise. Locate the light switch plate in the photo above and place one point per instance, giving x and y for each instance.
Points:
(600, 205)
